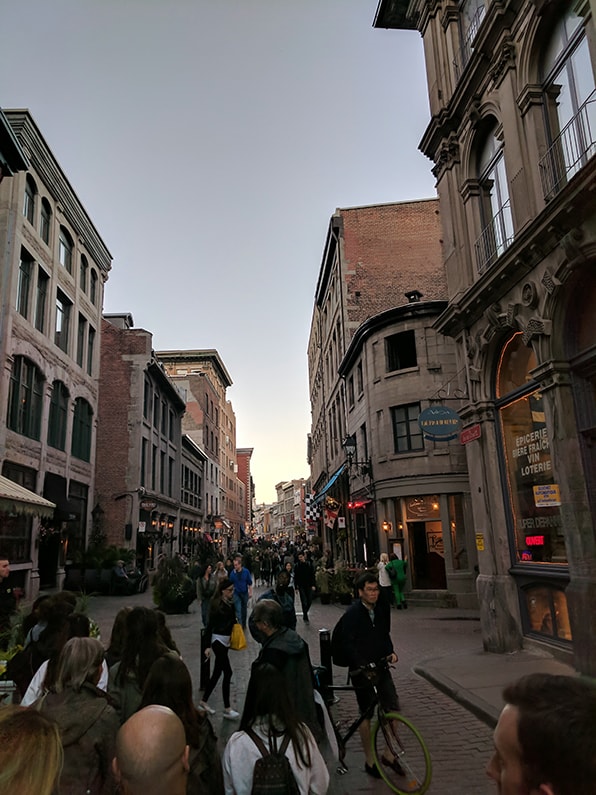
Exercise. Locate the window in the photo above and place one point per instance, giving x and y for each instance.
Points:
(81, 430)
(164, 418)
(147, 399)
(162, 471)
(63, 310)
(81, 339)
(351, 390)
(153, 466)
(25, 398)
(406, 433)
(90, 350)
(83, 273)
(495, 208)
(570, 103)
(400, 351)
(533, 491)
(65, 249)
(156, 407)
(93, 287)
(24, 284)
(45, 220)
(42, 298)
(359, 379)
(58, 416)
(471, 15)
(29, 202)
(547, 612)
(144, 449)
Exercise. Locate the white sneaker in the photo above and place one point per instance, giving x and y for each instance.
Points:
(231, 713)
(206, 708)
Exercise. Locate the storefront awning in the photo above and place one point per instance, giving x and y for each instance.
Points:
(327, 486)
(17, 499)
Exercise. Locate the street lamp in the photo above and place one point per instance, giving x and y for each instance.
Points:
(349, 446)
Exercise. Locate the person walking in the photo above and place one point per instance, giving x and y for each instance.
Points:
(304, 580)
(88, 723)
(242, 581)
(385, 578)
(206, 586)
(269, 717)
(220, 572)
(222, 617)
(399, 568)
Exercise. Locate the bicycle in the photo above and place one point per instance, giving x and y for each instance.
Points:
(399, 751)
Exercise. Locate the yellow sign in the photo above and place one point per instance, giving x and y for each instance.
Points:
(547, 495)
(480, 542)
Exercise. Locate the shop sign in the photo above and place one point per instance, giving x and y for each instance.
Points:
(470, 434)
(546, 495)
(141, 527)
(439, 423)
(147, 505)
(341, 522)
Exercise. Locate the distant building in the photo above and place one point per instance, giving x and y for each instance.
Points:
(54, 265)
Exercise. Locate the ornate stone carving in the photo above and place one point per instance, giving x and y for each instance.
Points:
(529, 294)
(505, 60)
(550, 282)
(536, 327)
(571, 245)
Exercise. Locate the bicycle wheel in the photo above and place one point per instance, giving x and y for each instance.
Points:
(401, 755)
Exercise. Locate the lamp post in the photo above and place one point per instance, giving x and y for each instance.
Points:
(364, 469)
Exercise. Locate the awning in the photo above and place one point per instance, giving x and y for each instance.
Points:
(327, 486)
(17, 499)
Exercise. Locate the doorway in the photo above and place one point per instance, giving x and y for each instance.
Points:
(428, 561)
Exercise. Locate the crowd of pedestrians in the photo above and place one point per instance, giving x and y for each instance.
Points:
(122, 718)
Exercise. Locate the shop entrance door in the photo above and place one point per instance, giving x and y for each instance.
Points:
(428, 565)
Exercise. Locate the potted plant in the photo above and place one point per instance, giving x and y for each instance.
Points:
(173, 589)
(342, 585)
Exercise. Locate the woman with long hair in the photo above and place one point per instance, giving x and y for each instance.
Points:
(169, 684)
(268, 714)
(30, 752)
(142, 646)
(88, 723)
(206, 585)
(222, 617)
(114, 650)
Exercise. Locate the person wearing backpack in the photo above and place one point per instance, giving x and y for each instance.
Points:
(272, 753)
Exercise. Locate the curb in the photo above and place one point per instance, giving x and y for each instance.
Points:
(477, 706)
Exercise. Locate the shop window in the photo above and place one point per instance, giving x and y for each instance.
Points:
(16, 528)
(533, 489)
(547, 612)
(400, 351)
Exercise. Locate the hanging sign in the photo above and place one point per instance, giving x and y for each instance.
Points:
(439, 423)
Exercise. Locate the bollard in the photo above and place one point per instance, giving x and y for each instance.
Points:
(205, 663)
(325, 653)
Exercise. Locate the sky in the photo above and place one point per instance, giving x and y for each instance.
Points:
(210, 141)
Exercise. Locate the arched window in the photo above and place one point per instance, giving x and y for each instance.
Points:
(83, 273)
(495, 208)
(29, 202)
(570, 103)
(45, 220)
(58, 416)
(65, 249)
(81, 430)
(25, 398)
(533, 491)
(93, 287)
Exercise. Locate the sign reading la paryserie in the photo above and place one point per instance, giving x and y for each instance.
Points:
(439, 423)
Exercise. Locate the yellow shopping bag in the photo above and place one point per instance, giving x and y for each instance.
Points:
(237, 638)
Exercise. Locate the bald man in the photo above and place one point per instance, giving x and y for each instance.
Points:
(152, 754)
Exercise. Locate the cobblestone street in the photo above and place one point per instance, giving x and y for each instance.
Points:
(460, 744)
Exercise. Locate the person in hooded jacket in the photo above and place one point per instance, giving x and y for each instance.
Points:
(284, 597)
(288, 652)
(88, 723)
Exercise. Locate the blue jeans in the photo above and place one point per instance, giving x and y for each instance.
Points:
(240, 604)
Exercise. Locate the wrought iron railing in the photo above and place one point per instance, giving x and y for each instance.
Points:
(571, 150)
(495, 238)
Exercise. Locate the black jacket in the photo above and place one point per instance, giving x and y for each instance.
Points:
(304, 575)
(367, 642)
(222, 617)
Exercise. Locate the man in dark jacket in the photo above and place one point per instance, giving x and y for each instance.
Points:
(304, 581)
(367, 641)
(284, 596)
(288, 652)
(8, 602)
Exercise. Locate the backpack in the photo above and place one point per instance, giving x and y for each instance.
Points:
(338, 644)
(272, 772)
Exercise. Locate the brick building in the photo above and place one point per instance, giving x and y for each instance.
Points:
(375, 363)
(244, 454)
(512, 136)
(139, 447)
(54, 267)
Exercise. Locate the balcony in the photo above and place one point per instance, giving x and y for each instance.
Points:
(495, 238)
(571, 150)
(465, 52)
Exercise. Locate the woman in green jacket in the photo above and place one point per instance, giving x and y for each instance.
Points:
(396, 569)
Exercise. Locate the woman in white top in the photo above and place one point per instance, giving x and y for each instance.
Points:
(384, 578)
(268, 713)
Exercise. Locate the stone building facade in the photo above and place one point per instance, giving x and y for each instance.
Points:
(512, 136)
(54, 267)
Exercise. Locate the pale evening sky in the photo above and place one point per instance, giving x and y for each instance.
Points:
(210, 141)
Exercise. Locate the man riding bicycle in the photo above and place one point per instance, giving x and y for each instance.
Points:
(368, 643)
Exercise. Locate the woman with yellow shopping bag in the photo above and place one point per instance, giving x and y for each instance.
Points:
(222, 618)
